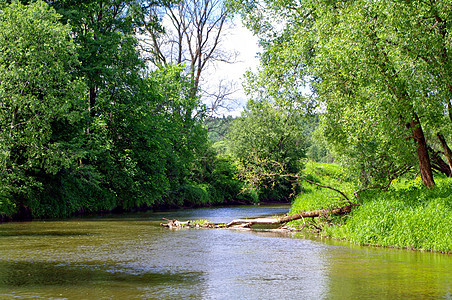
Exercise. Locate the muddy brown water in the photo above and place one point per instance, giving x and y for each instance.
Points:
(132, 257)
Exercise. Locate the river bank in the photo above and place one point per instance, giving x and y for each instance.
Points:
(408, 215)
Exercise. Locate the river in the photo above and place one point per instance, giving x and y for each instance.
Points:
(132, 257)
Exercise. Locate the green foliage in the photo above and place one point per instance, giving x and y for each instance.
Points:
(125, 143)
(408, 216)
(268, 140)
(40, 97)
(84, 128)
(200, 222)
(104, 30)
(185, 138)
(313, 197)
(193, 195)
(218, 128)
(318, 149)
(219, 177)
(73, 191)
(369, 70)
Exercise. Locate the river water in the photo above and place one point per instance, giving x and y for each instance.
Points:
(132, 257)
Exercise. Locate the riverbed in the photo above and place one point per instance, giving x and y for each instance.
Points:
(133, 257)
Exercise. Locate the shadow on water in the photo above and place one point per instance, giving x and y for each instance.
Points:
(19, 279)
(32, 233)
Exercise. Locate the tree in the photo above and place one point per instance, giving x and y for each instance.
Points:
(186, 135)
(373, 72)
(104, 30)
(267, 141)
(218, 127)
(191, 35)
(408, 93)
(125, 142)
(144, 136)
(40, 98)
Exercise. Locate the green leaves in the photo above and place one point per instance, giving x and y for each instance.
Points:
(373, 68)
(268, 140)
(37, 91)
(83, 127)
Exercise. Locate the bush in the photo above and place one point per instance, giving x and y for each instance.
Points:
(193, 194)
(69, 193)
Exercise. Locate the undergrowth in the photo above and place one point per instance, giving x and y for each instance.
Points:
(408, 215)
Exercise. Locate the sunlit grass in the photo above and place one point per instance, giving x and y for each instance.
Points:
(313, 197)
(407, 216)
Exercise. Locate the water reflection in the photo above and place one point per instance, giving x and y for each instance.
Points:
(262, 266)
(35, 280)
(132, 257)
(388, 273)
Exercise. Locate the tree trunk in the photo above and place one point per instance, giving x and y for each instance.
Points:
(447, 151)
(306, 214)
(425, 166)
(92, 100)
(270, 221)
(439, 164)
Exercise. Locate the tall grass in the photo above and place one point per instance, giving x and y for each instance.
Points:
(407, 216)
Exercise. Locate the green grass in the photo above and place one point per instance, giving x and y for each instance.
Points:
(407, 216)
(313, 197)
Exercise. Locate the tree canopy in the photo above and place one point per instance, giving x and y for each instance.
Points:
(41, 99)
(267, 141)
(86, 127)
(379, 74)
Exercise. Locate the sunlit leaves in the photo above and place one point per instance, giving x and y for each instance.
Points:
(372, 66)
(268, 140)
(38, 94)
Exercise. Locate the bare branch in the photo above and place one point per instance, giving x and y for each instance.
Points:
(193, 31)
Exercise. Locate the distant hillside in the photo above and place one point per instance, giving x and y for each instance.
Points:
(218, 128)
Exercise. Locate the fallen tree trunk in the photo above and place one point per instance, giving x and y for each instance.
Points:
(306, 214)
(241, 223)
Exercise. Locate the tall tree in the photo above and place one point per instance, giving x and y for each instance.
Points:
(268, 140)
(192, 34)
(40, 98)
(124, 138)
(104, 30)
(372, 71)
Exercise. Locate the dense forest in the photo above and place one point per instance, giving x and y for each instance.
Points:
(88, 126)
(103, 107)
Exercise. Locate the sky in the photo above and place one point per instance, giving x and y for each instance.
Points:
(239, 39)
(236, 38)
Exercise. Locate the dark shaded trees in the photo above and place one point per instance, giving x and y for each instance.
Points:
(85, 127)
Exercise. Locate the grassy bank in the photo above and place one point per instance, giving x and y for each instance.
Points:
(407, 216)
